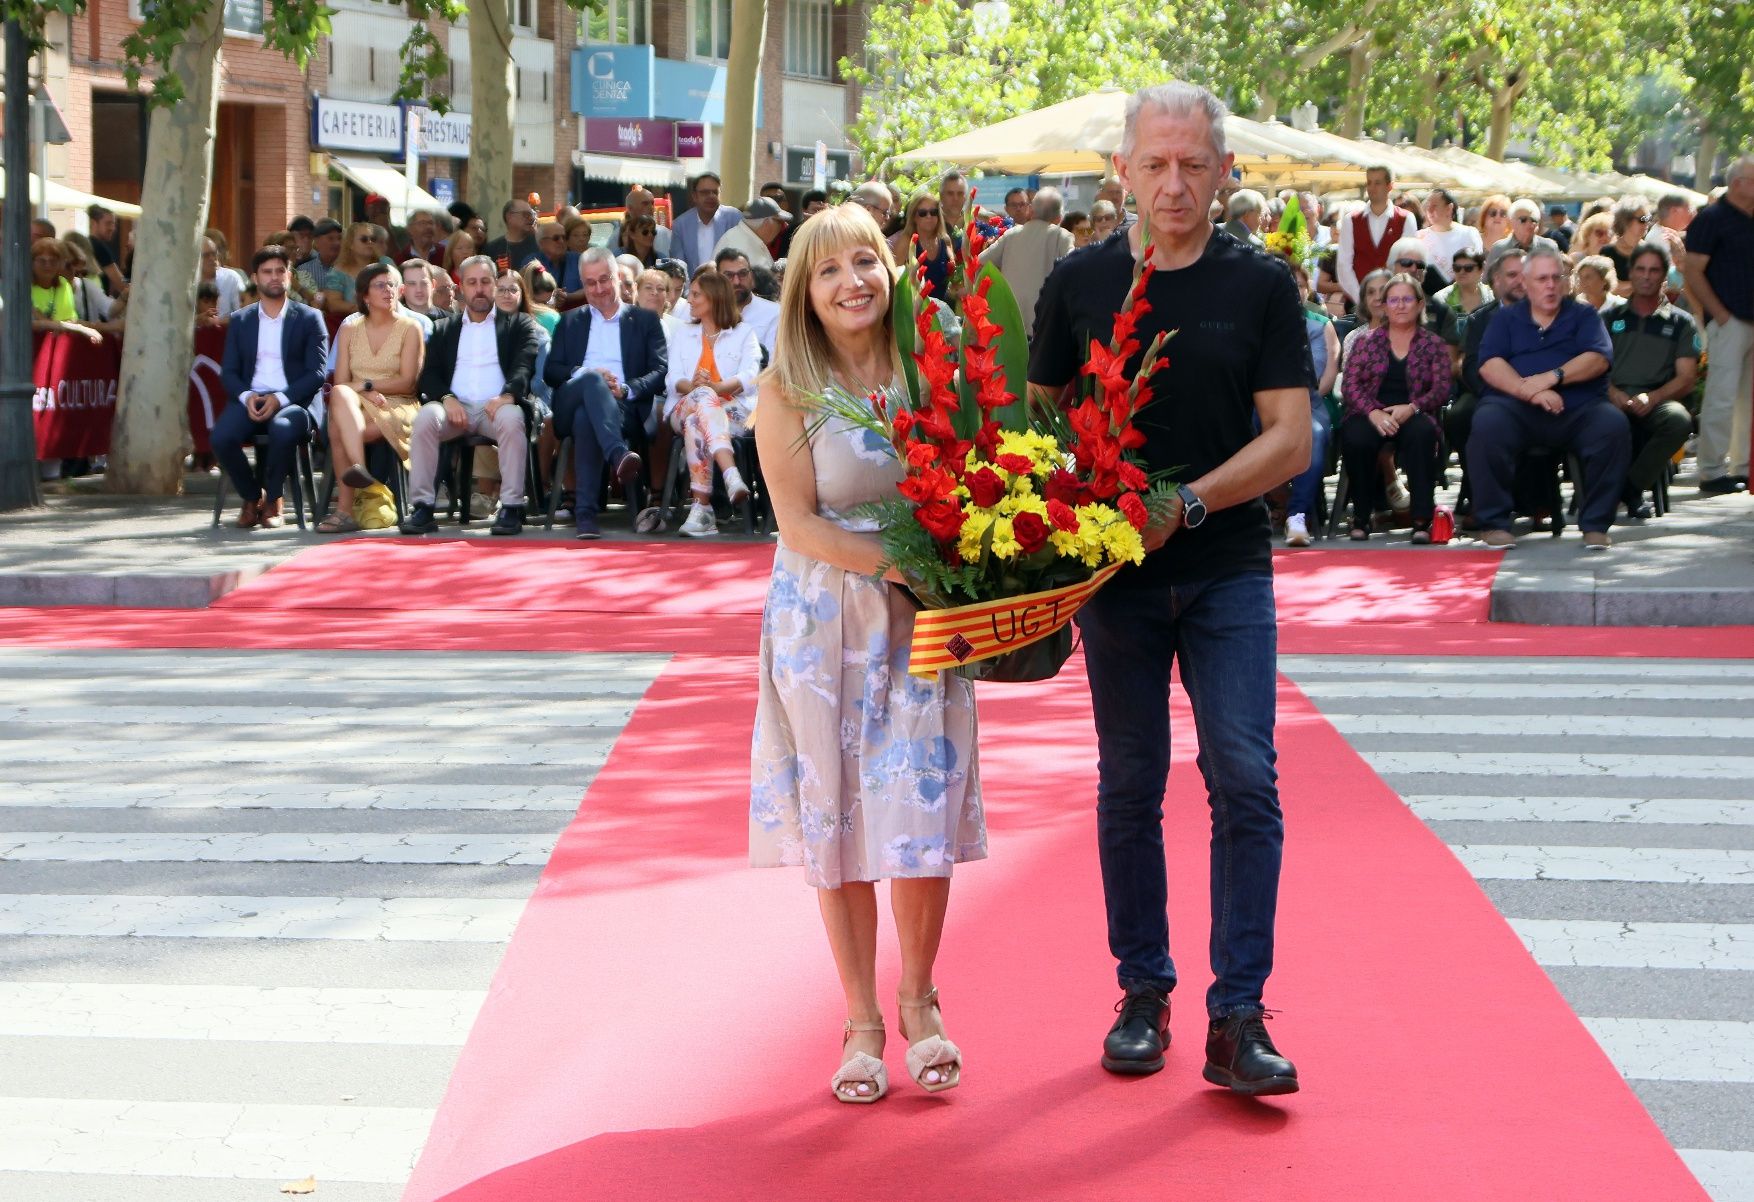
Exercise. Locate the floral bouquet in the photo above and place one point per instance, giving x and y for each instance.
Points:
(1010, 516)
(1291, 239)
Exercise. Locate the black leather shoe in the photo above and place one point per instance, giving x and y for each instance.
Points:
(1135, 1043)
(627, 468)
(510, 520)
(1240, 1056)
(419, 520)
(1720, 486)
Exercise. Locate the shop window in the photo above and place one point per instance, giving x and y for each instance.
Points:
(628, 22)
(712, 29)
(241, 16)
(809, 42)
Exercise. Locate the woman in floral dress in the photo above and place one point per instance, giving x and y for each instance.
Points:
(860, 771)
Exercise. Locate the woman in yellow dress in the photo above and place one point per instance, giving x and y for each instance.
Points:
(377, 363)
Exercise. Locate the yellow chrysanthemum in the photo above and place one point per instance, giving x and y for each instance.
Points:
(1004, 539)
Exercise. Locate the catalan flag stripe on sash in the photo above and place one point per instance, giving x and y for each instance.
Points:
(967, 634)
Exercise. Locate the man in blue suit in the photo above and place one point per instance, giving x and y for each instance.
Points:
(607, 369)
(694, 236)
(274, 351)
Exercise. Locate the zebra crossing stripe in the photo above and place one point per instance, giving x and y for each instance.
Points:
(1581, 943)
(1652, 865)
(1677, 1049)
(1605, 764)
(438, 919)
(318, 847)
(1676, 810)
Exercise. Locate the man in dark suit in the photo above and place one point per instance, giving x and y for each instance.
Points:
(607, 369)
(475, 381)
(274, 352)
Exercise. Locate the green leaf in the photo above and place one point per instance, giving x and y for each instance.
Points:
(906, 343)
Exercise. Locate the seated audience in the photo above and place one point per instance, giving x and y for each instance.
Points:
(1469, 291)
(1544, 362)
(271, 371)
(1301, 507)
(1593, 281)
(417, 286)
(477, 370)
(377, 365)
(606, 369)
(710, 393)
(760, 313)
(1397, 380)
(207, 307)
(1656, 365)
(1594, 234)
(1632, 222)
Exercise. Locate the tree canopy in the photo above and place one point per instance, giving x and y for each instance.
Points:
(1582, 82)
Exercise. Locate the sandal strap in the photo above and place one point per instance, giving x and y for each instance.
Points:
(852, 1026)
(930, 999)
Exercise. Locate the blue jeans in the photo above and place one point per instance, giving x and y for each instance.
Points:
(1223, 633)
(1306, 486)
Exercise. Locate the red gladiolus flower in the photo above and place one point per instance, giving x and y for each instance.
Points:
(1133, 509)
(920, 454)
(991, 394)
(1061, 515)
(1088, 422)
(1031, 531)
(1108, 368)
(942, 519)
(904, 421)
(984, 487)
(928, 484)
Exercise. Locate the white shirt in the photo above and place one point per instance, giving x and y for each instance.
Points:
(1441, 248)
(230, 283)
(604, 350)
(478, 378)
(764, 315)
(735, 353)
(706, 237)
(1378, 224)
(270, 377)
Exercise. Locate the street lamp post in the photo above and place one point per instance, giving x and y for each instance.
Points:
(18, 439)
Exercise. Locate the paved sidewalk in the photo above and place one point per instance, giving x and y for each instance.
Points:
(1692, 567)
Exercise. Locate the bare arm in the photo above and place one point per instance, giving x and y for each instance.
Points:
(1331, 371)
(1693, 271)
(791, 488)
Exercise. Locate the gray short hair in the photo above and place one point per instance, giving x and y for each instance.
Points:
(1546, 252)
(1246, 200)
(1176, 99)
(1103, 208)
(477, 260)
(1049, 205)
(1737, 169)
(1627, 211)
(597, 254)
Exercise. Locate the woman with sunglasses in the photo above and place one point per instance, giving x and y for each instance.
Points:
(1494, 220)
(1469, 291)
(1632, 222)
(923, 219)
(1443, 237)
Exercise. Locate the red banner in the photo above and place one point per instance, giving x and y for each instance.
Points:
(75, 402)
(75, 398)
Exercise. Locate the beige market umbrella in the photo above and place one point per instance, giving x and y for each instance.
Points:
(1079, 137)
(63, 197)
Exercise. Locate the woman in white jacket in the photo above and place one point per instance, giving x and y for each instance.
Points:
(709, 392)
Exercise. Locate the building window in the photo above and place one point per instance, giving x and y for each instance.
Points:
(523, 13)
(809, 40)
(628, 22)
(712, 29)
(243, 16)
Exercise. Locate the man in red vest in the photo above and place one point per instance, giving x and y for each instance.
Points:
(1365, 236)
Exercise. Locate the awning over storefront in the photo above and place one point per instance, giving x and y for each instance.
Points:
(63, 197)
(616, 169)
(388, 181)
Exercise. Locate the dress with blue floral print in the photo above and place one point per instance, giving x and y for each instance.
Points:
(859, 771)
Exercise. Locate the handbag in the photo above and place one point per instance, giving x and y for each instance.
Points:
(374, 507)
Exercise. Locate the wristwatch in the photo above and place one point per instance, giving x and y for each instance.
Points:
(371, 386)
(1193, 509)
(1558, 376)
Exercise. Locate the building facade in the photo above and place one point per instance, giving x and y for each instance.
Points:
(633, 93)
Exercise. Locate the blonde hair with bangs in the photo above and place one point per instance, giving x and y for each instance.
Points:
(806, 362)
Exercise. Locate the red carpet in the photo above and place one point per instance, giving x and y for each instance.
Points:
(666, 1019)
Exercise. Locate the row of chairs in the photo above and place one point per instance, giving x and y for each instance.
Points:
(386, 466)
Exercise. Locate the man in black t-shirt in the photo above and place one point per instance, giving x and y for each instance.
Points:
(1204, 594)
(518, 245)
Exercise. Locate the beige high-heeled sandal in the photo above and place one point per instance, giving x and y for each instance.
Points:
(862, 1071)
(934, 1056)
